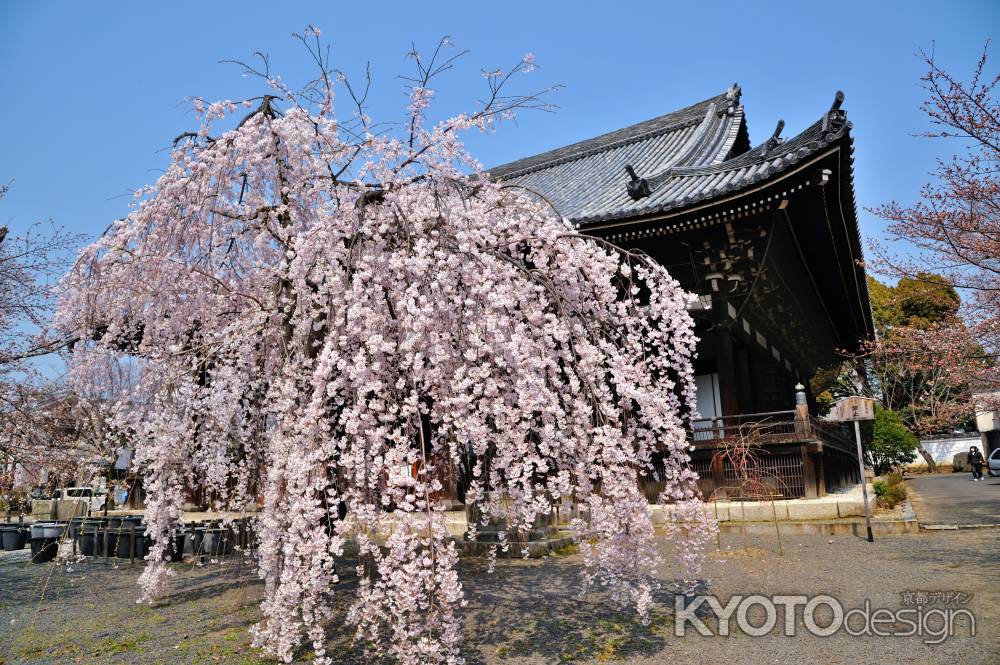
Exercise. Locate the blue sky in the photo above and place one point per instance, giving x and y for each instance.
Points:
(94, 91)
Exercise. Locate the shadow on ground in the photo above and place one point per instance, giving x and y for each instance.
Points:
(535, 610)
(527, 612)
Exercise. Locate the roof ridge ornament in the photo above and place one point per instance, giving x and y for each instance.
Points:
(835, 118)
(775, 139)
(638, 188)
(733, 94)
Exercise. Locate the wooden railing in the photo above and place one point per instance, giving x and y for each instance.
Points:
(834, 435)
(771, 427)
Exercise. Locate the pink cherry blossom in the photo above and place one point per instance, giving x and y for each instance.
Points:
(319, 307)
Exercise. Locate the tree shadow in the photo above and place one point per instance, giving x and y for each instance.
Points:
(535, 609)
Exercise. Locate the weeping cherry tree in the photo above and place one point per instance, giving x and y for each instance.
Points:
(318, 303)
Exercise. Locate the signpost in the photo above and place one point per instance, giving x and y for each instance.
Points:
(856, 409)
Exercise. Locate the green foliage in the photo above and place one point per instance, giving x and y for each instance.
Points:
(916, 368)
(926, 300)
(889, 492)
(918, 302)
(824, 402)
(892, 444)
(884, 308)
(842, 379)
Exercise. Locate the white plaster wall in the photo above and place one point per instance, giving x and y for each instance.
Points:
(943, 450)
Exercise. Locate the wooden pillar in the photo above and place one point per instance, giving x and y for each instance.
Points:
(808, 474)
(718, 476)
(726, 367)
(820, 463)
(744, 385)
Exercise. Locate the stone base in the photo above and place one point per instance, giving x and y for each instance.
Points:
(540, 540)
(490, 534)
(536, 548)
(843, 527)
(835, 505)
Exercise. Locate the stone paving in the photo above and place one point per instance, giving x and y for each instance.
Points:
(952, 499)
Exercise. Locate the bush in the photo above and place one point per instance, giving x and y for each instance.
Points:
(893, 445)
(15, 500)
(890, 491)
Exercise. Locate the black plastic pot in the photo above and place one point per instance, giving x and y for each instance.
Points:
(218, 542)
(48, 530)
(124, 544)
(44, 550)
(108, 543)
(14, 539)
(242, 534)
(87, 541)
(196, 539)
(105, 535)
(133, 543)
(175, 548)
(77, 525)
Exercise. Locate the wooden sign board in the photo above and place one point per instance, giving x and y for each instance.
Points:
(853, 408)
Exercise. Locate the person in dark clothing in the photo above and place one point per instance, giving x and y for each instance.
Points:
(976, 460)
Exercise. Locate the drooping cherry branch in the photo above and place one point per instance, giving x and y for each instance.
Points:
(322, 308)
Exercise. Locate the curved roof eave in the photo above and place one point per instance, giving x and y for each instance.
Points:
(727, 177)
(716, 122)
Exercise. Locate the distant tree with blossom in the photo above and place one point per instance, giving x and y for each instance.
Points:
(30, 261)
(954, 229)
(318, 301)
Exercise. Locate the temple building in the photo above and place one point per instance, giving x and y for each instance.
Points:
(767, 237)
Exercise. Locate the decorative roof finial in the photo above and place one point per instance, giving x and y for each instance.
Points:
(733, 93)
(775, 139)
(835, 118)
(637, 187)
(733, 98)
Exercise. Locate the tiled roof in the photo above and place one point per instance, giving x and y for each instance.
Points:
(692, 155)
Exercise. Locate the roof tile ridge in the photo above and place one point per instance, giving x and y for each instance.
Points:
(734, 132)
(541, 166)
(555, 161)
(691, 147)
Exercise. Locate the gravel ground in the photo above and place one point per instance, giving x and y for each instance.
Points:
(527, 612)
